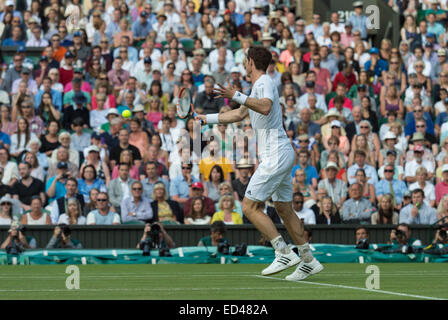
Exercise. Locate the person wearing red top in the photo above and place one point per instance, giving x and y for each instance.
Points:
(341, 91)
(442, 186)
(198, 191)
(345, 76)
(323, 76)
(248, 29)
(66, 70)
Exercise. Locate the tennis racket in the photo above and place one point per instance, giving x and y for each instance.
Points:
(184, 104)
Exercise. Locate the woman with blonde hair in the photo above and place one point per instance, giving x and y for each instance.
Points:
(123, 31)
(74, 213)
(409, 29)
(227, 213)
(226, 188)
(402, 143)
(126, 157)
(328, 212)
(299, 185)
(373, 141)
(361, 144)
(54, 75)
(166, 211)
(442, 210)
(386, 213)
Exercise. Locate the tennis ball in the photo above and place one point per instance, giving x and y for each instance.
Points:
(126, 114)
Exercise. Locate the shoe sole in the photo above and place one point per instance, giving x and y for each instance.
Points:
(317, 270)
(275, 272)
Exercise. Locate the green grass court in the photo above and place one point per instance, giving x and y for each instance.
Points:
(236, 282)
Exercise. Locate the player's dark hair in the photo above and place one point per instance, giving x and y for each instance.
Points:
(261, 57)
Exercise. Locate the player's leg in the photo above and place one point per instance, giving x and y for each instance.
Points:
(282, 202)
(260, 220)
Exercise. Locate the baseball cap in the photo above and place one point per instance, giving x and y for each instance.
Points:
(93, 148)
(227, 12)
(139, 108)
(197, 185)
(430, 35)
(428, 45)
(310, 84)
(68, 54)
(441, 52)
(78, 70)
(9, 3)
(77, 34)
(357, 4)
(21, 49)
(112, 111)
(234, 70)
(374, 50)
(392, 152)
(362, 87)
(407, 194)
(43, 58)
(25, 71)
(143, 14)
(79, 98)
(147, 60)
(336, 123)
(62, 165)
(331, 164)
(445, 167)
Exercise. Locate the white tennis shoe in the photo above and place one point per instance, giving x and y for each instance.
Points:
(304, 270)
(281, 262)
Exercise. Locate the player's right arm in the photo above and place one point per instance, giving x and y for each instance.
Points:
(228, 117)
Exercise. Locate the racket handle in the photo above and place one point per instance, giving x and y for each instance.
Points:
(195, 115)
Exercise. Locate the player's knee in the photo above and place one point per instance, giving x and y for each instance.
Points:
(249, 207)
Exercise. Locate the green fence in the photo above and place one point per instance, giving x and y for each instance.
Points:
(325, 253)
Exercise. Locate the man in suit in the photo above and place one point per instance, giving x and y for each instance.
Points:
(120, 187)
(352, 128)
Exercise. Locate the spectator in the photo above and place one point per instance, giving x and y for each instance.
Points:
(442, 187)
(10, 169)
(59, 206)
(136, 207)
(166, 211)
(427, 187)
(337, 189)
(36, 215)
(328, 213)
(360, 163)
(197, 190)
(102, 214)
(386, 213)
(227, 213)
(206, 99)
(197, 214)
(305, 214)
(152, 177)
(357, 209)
(120, 187)
(124, 144)
(62, 239)
(27, 187)
(410, 170)
(239, 184)
(90, 180)
(391, 186)
(418, 212)
(73, 216)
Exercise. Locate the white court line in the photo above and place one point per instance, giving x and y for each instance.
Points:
(355, 288)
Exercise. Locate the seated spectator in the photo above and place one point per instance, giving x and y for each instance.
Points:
(180, 186)
(76, 108)
(227, 213)
(418, 212)
(197, 214)
(411, 167)
(152, 177)
(390, 185)
(328, 213)
(62, 239)
(73, 216)
(360, 163)
(360, 143)
(90, 180)
(10, 169)
(126, 157)
(62, 155)
(386, 213)
(65, 141)
(403, 237)
(367, 189)
(427, 187)
(124, 144)
(389, 144)
(136, 207)
(197, 190)
(303, 213)
(102, 215)
(217, 232)
(59, 206)
(37, 171)
(337, 189)
(299, 185)
(357, 209)
(55, 187)
(120, 187)
(37, 215)
(239, 185)
(27, 187)
(211, 187)
(303, 163)
(9, 210)
(166, 211)
(21, 137)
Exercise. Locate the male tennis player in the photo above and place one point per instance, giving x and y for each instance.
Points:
(273, 175)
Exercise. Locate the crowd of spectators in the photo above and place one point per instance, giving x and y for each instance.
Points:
(368, 124)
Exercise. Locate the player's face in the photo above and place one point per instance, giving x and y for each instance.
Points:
(248, 66)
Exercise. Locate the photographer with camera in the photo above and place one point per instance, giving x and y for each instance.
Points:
(62, 239)
(155, 237)
(56, 185)
(402, 236)
(217, 232)
(17, 242)
(362, 238)
(441, 236)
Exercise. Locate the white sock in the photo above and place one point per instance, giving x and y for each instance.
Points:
(280, 245)
(305, 252)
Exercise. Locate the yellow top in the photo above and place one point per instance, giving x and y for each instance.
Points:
(206, 165)
(219, 216)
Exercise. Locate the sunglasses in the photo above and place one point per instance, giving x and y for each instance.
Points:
(419, 110)
(420, 126)
(298, 202)
(186, 168)
(393, 62)
(6, 204)
(388, 170)
(101, 200)
(304, 141)
(137, 189)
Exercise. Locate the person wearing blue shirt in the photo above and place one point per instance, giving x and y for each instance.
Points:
(132, 51)
(55, 186)
(180, 186)
(359, 20)
(5, 140)
(9, 7)
(376, 64)
(417, 212)
(396, 188)
(56, 96)
(412, 117)
(310, 171)
(16, 38)
(141, 27)
(360, 163)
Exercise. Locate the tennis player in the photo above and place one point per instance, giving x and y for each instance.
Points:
(273, 176)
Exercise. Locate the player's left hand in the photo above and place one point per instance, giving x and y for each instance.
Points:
(224, 92)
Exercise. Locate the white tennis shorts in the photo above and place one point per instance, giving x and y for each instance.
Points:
(273, 178)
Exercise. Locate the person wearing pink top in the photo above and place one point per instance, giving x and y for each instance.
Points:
(85, 86)
(341, 91)
(442, 186)
(347, 37)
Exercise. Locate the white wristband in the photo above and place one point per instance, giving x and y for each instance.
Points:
(212, 118)
(239, 97)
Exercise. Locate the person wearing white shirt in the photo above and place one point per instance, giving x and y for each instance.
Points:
(305, 214)
(174, 58)
(36, 40)
(427, 187)
(315, 27)
(162, 28)
(259, 18)
(243, 6)
(303, 100)
(172, 18)
(410, 170)
(360, 163)
(214, 55)
(335, 25)
(99, 115)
